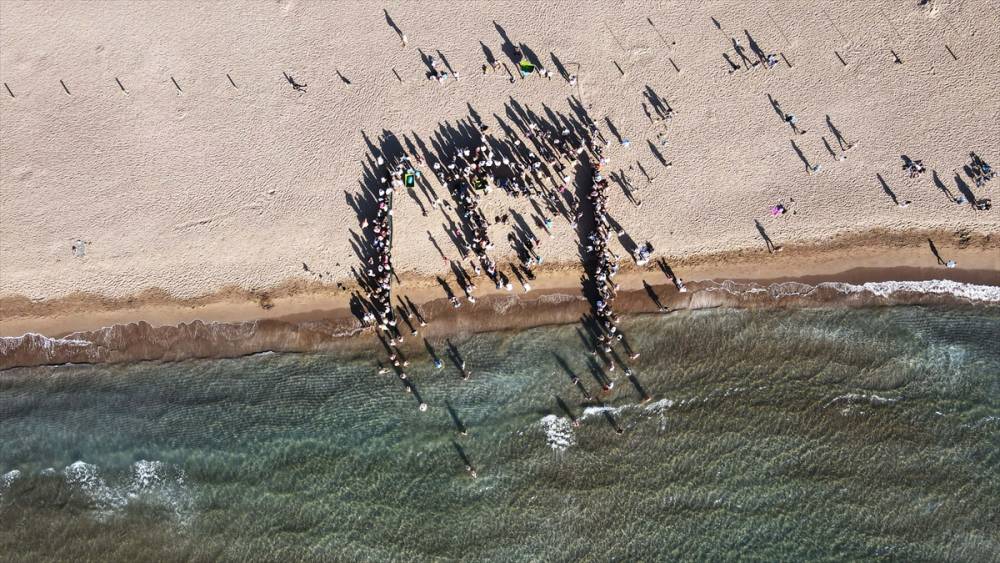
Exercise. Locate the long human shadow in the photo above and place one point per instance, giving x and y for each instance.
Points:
(426, 59)
(613, 129)
(625, 239)
(444, 285)
(652, 295)
(659, 105)
(643, 394)
(573, 377)
(669, 272)
(656, 152)
(844, 145)
(569, 412)
(402, 312)
(598, 374)
(431, 351)
(755, 47)
(777, 107)
(392, 24)
(802, 155)
(940, 185)
(507, 46)
(829, 148)
(885, 188)
(490, 59)
(559, 66)
(447, 65)
(965, 190)
(459, 425)
(733, 66)
(412, 388)
(763, 234)
(414, 309)
(437, 247)
(935, 252)
(461, 276)
(625, 184)
(455, 355)
(413, 195)
(606, 411)
(471, 469)
(358, 306)
(747, 63)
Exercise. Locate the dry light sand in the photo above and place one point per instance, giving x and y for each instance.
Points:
(208, 186)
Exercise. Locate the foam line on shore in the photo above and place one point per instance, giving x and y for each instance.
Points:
(966, 291)
(340, 330)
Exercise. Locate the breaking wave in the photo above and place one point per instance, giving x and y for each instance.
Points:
(152, 482)
(558, 432)
(965, 291)
(142, 341)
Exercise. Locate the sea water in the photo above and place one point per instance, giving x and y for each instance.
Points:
(770, 435)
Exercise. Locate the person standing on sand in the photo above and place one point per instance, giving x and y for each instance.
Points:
(793, 121)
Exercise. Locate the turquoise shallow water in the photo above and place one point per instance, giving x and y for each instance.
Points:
(772, 435)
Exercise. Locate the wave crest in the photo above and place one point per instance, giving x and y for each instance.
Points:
(964, 291)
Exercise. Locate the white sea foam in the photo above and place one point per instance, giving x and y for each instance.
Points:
(987, 420)
(660, 405)
(594, 411)
(85, 478)
(860, 397)
(558, 298)
(558, 432)
(7, 479)
(502, 304)
(966, 291)
(152, 481)
(856, 398)
(39, 342)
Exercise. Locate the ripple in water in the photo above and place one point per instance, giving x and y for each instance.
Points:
(774, 435)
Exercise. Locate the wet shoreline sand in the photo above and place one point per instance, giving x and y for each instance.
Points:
(317, 319)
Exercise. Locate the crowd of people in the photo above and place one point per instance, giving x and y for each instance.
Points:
(468, 174)
(606, 264)
(540, 162)
(980, 171)
(521, 168)
(379, 271)
(913, 167)
(378, 267)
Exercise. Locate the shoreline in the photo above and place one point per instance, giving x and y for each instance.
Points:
(805, 262)
(306, 319)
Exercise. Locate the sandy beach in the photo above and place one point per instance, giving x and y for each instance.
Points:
(499, 280)
(231, 324)
(156, 165)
